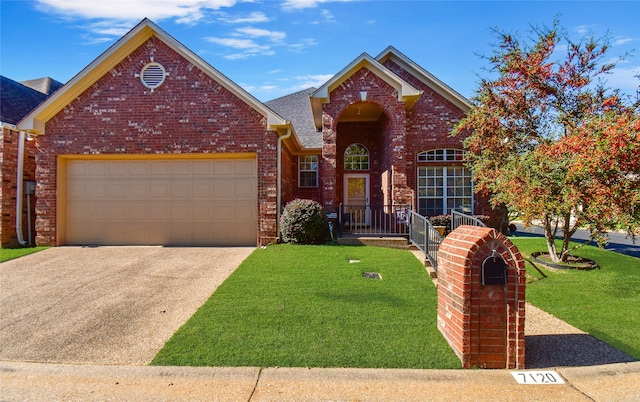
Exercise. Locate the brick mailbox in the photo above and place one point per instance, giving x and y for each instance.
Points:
(481, 298)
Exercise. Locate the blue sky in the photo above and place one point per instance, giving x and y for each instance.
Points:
(276, 47)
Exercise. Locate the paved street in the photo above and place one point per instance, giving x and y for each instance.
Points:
(618, 242)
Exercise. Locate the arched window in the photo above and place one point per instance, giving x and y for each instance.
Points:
(441, 155)
(356, 157)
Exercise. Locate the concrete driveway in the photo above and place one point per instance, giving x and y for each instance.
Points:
(104, 305)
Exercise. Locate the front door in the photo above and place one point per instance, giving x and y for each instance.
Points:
(356, 198)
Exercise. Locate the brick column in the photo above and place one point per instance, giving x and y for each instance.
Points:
(484, 324)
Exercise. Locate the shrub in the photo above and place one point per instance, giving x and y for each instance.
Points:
(304, 222)
(441, 220)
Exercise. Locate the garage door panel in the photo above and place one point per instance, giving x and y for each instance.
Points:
(159, 168)
(245, 190)
(181, 168)
(224, 189)
(171, 202)
(159, 189)
(245, 168)
(139, 168)
(159, 210)
(100, 169)
(118, 169)
(181, 190)
(224, 168)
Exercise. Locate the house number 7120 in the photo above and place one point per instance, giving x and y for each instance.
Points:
(537, 377)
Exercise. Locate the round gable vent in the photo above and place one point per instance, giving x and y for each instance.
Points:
(152, 75)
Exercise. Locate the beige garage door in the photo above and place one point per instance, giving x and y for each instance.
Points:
(162, 202)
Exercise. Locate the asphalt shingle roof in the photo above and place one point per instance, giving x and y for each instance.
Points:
(45, 85)
(17, 100)
(296, 107)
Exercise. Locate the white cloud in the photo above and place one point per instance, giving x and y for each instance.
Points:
(257, 33)
(313, 80)
(583, 29)
(235, 43)
(302, 45)
(290, 5)
(252, 18)
(183, 11)
(622, 41)
(257, 42)
(625, 79)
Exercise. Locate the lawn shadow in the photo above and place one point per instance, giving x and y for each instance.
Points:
(570, 350)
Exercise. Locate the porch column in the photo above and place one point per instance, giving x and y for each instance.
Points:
(328, 171)
(401, 193)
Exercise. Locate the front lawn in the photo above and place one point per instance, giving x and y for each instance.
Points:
(310, 306)
(603, 302)
(7, 254)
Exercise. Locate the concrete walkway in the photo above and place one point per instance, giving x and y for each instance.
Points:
(34, 381)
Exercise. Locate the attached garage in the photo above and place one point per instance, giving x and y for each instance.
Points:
(158, 201)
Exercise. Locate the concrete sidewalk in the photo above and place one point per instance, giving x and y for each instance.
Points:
(35, 381)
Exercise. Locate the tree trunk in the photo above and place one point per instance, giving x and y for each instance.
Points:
(566, 237)
(550, 236)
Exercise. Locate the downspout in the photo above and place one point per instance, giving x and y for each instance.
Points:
(20, 188)
(279, 179)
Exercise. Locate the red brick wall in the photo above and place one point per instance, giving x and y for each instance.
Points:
(429, 125)
(188, 113)
(8, 186)
(368, 134)
(483, 324)
(393, 134)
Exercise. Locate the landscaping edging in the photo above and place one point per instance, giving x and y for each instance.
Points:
(586, 266)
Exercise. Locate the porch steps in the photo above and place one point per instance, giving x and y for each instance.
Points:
(379, 241)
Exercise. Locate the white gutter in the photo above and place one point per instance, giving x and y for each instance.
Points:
(20, 188)
(279, 179)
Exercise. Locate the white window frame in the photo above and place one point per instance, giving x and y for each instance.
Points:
(308, 164)
(442, 155)
(361, 162)
(442, 182)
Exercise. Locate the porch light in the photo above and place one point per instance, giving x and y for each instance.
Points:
(363, 96)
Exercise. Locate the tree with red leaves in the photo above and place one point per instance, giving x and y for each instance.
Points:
(548, 140)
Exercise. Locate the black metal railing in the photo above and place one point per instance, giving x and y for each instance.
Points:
(459, 219)
(374, 220)
(425, 237)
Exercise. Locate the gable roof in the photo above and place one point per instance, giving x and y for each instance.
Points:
(406, 92)
(36, 120)
(391, 53)
(46, 85)
(296, 108)
(17, 100)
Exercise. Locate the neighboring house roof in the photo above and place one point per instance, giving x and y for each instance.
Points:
(17, 100)
(36, 120)
(296, 107)
(406, 92)
(45, 85)
(426, 77)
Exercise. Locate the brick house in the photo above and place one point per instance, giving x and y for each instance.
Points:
(149, 144)
(17, 158)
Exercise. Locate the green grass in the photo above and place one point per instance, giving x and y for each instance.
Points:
(307, 306)
(7, 254)
(604, 302)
